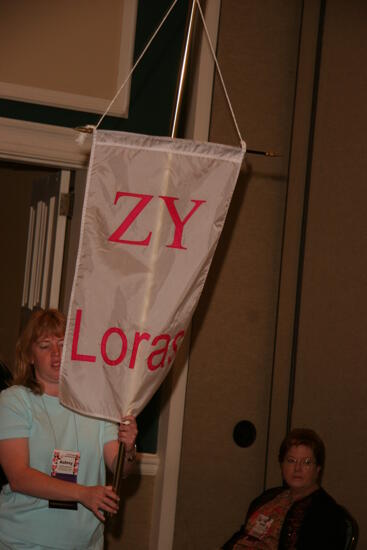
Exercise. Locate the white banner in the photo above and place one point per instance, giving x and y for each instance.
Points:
(153, 212)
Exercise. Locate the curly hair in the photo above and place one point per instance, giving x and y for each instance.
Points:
(42, 323)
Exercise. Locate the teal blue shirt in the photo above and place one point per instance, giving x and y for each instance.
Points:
(48, 425)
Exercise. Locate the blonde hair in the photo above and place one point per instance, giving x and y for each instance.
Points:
(42, 323)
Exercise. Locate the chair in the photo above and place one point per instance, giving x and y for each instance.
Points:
(352, 531)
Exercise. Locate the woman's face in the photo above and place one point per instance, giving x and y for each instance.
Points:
(299, 469)
(46, 357)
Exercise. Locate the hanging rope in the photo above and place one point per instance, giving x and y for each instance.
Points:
(243, 144)
(137, 63)
(89, 128)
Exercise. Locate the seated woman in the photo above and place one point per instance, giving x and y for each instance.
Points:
(300, 515)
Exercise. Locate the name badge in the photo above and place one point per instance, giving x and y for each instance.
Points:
(261, 527)
(65, 465)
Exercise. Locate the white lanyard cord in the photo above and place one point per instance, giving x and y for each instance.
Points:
(52, 427)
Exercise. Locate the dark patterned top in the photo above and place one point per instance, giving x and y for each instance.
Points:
(315, 522)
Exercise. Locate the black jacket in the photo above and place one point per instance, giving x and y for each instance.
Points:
(323, 526)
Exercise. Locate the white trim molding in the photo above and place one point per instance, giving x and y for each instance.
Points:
(146, 464)
(42, 144)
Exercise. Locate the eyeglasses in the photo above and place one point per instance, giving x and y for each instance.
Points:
(304, 462)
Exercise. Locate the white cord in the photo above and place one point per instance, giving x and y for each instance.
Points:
(137, 62)
(243, 144)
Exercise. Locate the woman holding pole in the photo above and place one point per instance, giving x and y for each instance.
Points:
(54, 459)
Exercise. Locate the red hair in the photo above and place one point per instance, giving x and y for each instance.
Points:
(42, 323)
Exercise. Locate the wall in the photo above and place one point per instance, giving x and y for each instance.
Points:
(230, 366)
(330, 373)
(279, 334)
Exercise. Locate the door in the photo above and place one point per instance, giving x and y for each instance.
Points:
(45, 242)
(32, 235)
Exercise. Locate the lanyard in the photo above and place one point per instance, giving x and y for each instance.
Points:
(52, 427)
